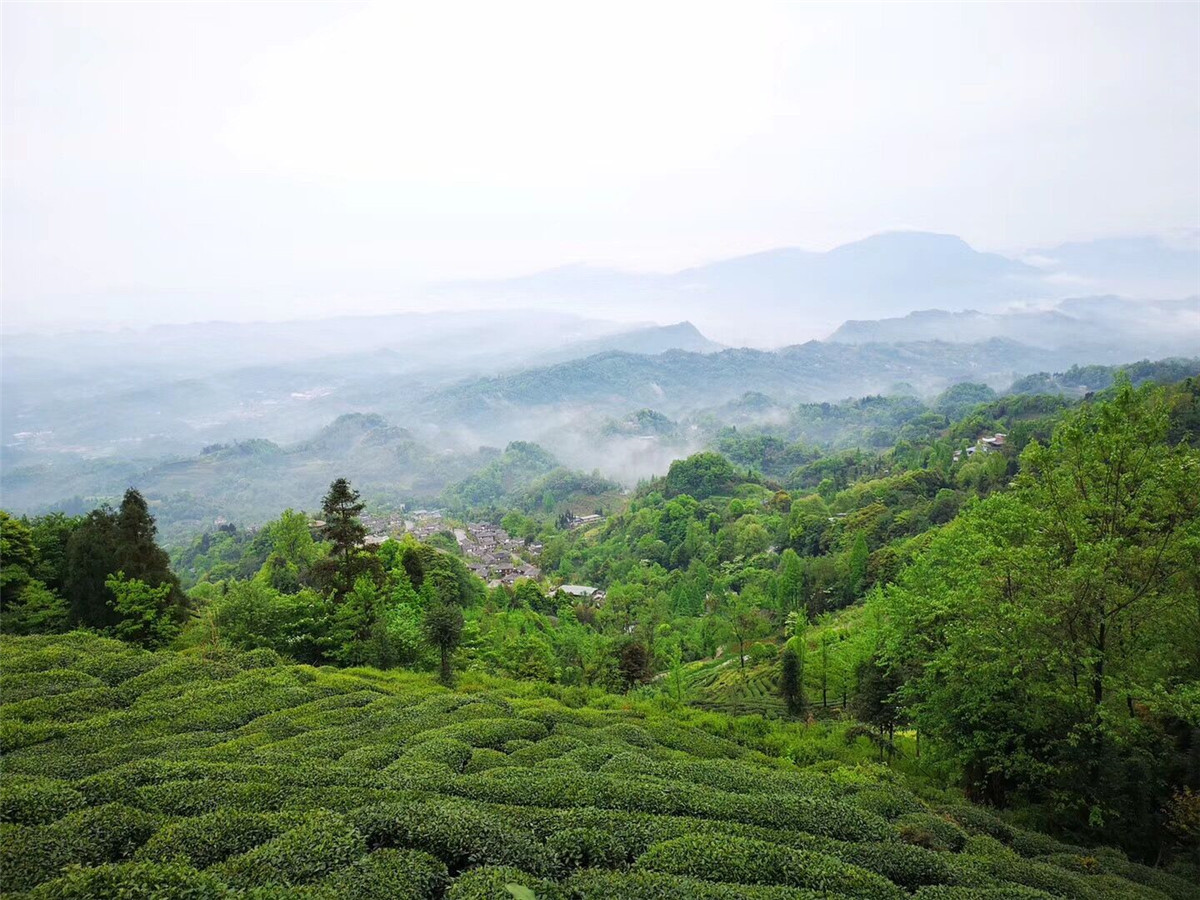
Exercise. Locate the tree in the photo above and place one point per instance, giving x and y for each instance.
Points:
(18, 558)
(790, 586)
(791, 681)
(145, 612)
(1043, 632)
(341, 508)
(34, 610)
(347, 560)
(91, 559)
(443, 629)
(745, 622)
(359, 633)
(857, 565)
(875, 701)
(634, 664)
(701, 476)
(293, 552)
(137, 551)
(51, 534)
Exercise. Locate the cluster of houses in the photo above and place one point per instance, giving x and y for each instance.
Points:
(491, 552)
(985, 444)
(494, 555)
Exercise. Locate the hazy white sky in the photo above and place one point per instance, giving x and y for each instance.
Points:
(176, 161)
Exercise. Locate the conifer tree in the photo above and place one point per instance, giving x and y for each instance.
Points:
(348, 560)
(791, 682)
(341, 508)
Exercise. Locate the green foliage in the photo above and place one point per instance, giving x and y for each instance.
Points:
(443, 628)
(145, 614)
(520, 465)
(132, 881)
(758, 862)
(702, 475)
(324, 844)
(239, 775)
(1039, 621)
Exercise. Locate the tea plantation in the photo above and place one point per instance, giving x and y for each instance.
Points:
(134, 774)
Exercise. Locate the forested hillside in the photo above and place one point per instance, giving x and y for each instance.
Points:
(999, 608)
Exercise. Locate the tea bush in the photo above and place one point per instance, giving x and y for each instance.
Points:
(134, 774)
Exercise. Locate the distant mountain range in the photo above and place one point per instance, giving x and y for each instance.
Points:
(676, 382)
(788, 295)
(1087, 329)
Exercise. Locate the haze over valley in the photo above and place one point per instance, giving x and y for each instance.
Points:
(600, 450)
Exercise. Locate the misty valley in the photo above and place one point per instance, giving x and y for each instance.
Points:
(471, 606)
(600, 451)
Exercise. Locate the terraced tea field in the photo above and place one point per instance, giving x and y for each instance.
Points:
(133, 774)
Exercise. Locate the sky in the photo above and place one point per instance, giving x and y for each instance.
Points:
(168, 162)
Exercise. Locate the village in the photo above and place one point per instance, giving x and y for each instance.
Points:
(488, 550)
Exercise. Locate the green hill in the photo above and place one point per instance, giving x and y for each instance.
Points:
(136, 774)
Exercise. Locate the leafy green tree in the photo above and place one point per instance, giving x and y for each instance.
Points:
(745, 622)
(145, 613)
(35, 610)
(876, 701)
(443, 628)
(1041, 632)
(18, 558)
(106, 542)
(51, 534)
(293, 552)
(789, 588)
(860, 555)
(526, 592)
(701, 476)
(359, 634)
(252, 614)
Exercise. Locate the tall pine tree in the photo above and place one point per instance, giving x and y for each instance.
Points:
(347, 560)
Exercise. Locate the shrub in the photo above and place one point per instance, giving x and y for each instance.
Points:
(459, 834)
(748, 861)
(979, 821)
(102, 834)
(205, 840)
(908, 866)
(1019, 871)
(930, 831)
(193, 798)
(23, 686)
(36, 800)
(132, 881)
(325, 843)
(890, 802)
(387, 875)
(492, 883)
(449, 752)
(597, 884)
(1032, 843)
(1008, 892)
(29, 856)
(580, 848)
(482, 759)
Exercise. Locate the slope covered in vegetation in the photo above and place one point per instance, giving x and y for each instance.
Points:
(139, 774)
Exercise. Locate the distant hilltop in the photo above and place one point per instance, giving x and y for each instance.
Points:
(788, 294)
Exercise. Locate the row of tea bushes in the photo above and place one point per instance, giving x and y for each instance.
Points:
(135, 774)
